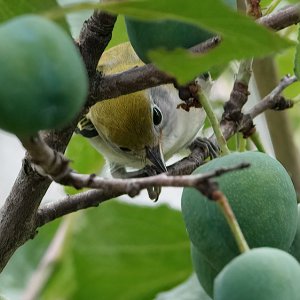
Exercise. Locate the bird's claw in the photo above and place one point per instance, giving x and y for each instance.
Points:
(207, 145)
(154, 192)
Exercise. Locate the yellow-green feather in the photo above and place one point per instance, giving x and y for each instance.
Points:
(126, 121)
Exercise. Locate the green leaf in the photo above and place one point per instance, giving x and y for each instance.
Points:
(84, 158)
(119, 33)
(241, 36)
(297, 58)
(13, 8)
(121, 251)
(23, 263)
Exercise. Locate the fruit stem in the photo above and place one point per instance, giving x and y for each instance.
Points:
(255, 138)
(232, 221)
(242, 143)
(214, 123)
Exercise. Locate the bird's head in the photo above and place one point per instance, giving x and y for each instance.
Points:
(131, 125)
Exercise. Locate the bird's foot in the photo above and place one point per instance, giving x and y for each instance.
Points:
(153, 191)
(207, 145)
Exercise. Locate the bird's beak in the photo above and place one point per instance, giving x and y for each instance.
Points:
(155, 155)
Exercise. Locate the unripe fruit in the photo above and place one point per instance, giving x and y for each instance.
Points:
(295, 247)
(262, 197)
(43, 81)
(206, 274)
(149, 35)
(260, 274)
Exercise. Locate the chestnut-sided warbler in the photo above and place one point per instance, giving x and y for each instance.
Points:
(141, 128)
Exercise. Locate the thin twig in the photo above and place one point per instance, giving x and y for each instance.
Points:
(283, 18)
(272, 100)
(108, 188)
(133, 186)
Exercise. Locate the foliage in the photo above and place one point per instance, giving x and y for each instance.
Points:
(241, 37)
(122, 252)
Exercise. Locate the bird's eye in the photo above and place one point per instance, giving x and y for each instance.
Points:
(125, 149)
(157, 115)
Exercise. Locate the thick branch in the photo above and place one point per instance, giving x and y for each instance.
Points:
(94, 37)
(46, 160)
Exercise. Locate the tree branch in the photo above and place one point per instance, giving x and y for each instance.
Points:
(283, 18)
(109, 188)
(93, 39)
(140, 78)
(274, 100)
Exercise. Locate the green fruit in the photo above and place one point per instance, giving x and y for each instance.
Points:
(264, 202)
(206, 274)
(43, 79)
(148, 35)
(295, 247)
(260, 274)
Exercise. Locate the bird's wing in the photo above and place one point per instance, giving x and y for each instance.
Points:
(86, 128)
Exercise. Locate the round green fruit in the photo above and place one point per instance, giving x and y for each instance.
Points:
(295, 247)
(169, 34)
(206, 274)
(262, 197)
(260, 274)
(43, 79)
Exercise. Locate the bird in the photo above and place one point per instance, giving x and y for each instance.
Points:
(143, 128)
